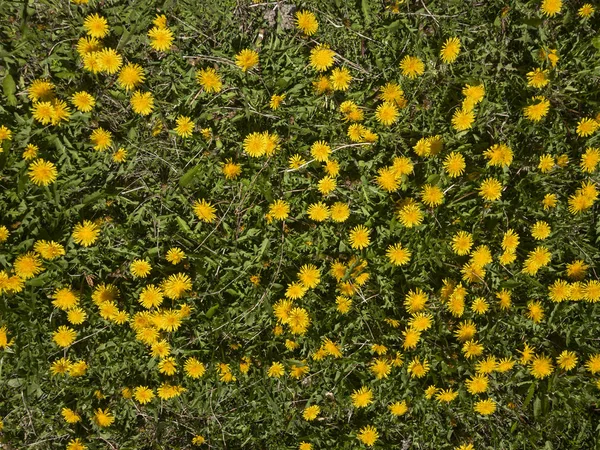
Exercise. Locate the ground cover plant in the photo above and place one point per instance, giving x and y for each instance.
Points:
(309, 225)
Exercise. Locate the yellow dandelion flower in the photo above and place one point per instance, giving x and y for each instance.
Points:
(42, 173)
(359, 237)
(83, 101)
(131, 76)
(246, 59)
(340, 79)
(204, 211)
(86, 233)
(161, 38)
(551, 7)
(387, 113)
(321, 59)
(96, 26)
(306, 22)
(490, 189)
(450, 50)
(185, 126)
(412, 66)
(142, 103)
(210, 80)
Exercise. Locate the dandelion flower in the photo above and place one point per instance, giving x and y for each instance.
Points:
(279, 210)
(140, 268)
(42, 173)
(368, 435)
(541, 367)
(103, 418)
(83, 101)
(412, 67)
(64, 336)
(109, 60)
(131, 76)
(450, 50)
(276, 370)
(485, 407)
(143, 394)
(95, 26)
(537, 78)
(321, 58)
(311, 412)
(587, 10)
(340, 79)
(40, 91)
(160, 38)
(551, 7)
(454, 164)
(490, 189)
(185, 126)
(463, 119)
(306, 22)
(386, 113)
(359, 237)
(538, 109)
(204, 211)
(142, 103)
(85, 233)
(362, 397)
(246, 59)
(567, 360)
(587, 127)
(210, 80)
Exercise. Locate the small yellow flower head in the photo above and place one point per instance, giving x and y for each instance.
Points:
(86, 233)
(101, 139)
(321, 59)
(450, 50)
(143, 394)
(279, 210)
(142, 103)
(109, 61)
(64, 336)
(587, 127)
(140, 268)
(587, 10)
(485, 407)
(551, 7)
(340, 79)
(96, 26)
(311, 412)
(83, 101)
(490, 189)
(538, 109)
(387, 113)
(412, 67)
(161, 38)
(246, 59)
(276, 101)
(368, 435)
(210, 80)
(103, 418)
(198, 440)
(537, 78)
(42, 173)
(204, 211)
(276, 370)
(306, 22)
(131, 76)
(359, 237)
(185, 126)
(120, 155)
(463, 119)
